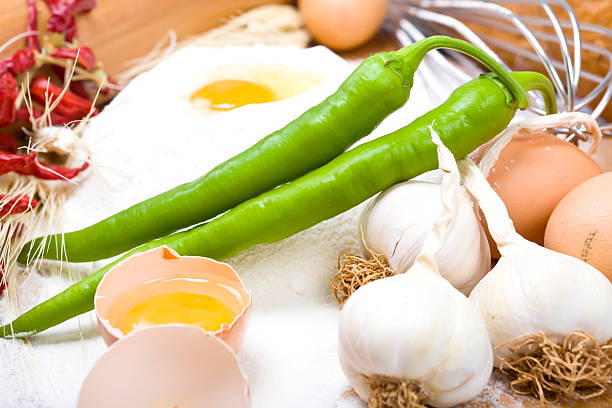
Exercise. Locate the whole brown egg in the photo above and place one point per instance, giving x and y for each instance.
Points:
(581, 224)
(532, 174)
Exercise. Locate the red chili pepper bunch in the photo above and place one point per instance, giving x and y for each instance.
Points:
(57, 48)
(60, 51)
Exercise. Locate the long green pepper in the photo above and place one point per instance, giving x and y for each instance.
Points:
(473, 114)
(378, 87)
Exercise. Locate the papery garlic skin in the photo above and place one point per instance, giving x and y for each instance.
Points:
(535, 289)
(415, 326)
(397, 221)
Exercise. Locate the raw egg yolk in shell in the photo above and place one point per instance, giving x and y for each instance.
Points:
(229, 94)
(170, 301)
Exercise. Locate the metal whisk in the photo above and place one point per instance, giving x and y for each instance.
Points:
(473, 20)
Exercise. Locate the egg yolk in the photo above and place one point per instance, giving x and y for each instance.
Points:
(178, 307)
(229, 94)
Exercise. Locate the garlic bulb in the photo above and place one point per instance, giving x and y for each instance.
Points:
(533, 289)
(62, 140)
(415, 330)
(396, 223)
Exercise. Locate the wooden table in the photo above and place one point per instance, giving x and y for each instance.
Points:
(119, 31)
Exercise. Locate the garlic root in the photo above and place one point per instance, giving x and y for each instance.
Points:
(355, 271)
(577, 367)
(391, 392)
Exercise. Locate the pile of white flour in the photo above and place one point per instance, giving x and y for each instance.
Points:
(149, 139)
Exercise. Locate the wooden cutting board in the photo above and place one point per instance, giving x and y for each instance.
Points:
(121, 30)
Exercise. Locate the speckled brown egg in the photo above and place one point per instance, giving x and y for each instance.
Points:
(581, 224)
(532, 174)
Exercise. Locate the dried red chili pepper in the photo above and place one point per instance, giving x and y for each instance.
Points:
(56, 119)
(71, 105)
(8, 143)
(22, 61)
(83, 55)
(79, 88)
(8, 94)
(2, 278)
(32, 25)
(16, 205)
(62, 15)
(51, 171)
(13, 162)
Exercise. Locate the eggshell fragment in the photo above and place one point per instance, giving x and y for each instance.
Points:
(581, 224)
(165, 263)
(532, 174)
(166, 366)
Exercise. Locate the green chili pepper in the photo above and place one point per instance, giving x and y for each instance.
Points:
(472, 115)
(379, 86)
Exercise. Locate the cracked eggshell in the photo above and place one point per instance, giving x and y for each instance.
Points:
(166, 366)
(162, 263)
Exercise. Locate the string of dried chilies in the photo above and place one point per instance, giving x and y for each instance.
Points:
(29, 98)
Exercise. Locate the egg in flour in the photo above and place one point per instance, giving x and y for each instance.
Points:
(233, 86)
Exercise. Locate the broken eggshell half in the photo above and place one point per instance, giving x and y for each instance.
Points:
(174, 365)
(165, 264)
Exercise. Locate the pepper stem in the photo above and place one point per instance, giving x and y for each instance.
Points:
(417, 51)
(534, 81)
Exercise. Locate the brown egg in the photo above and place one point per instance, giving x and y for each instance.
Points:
(343, 24)
(532, 174)
(581, 224)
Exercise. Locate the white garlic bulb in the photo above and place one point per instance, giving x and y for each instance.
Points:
(396, 223)
(532, 288)
(416, 327)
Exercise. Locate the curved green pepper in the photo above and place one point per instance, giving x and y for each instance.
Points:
(473, 114)
(378, 87)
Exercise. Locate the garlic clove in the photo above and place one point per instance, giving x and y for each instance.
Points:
(396, 222)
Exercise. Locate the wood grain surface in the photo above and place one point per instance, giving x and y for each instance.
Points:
(120, 30)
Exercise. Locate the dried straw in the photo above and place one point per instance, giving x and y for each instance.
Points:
(576, 367)
(391, 392)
